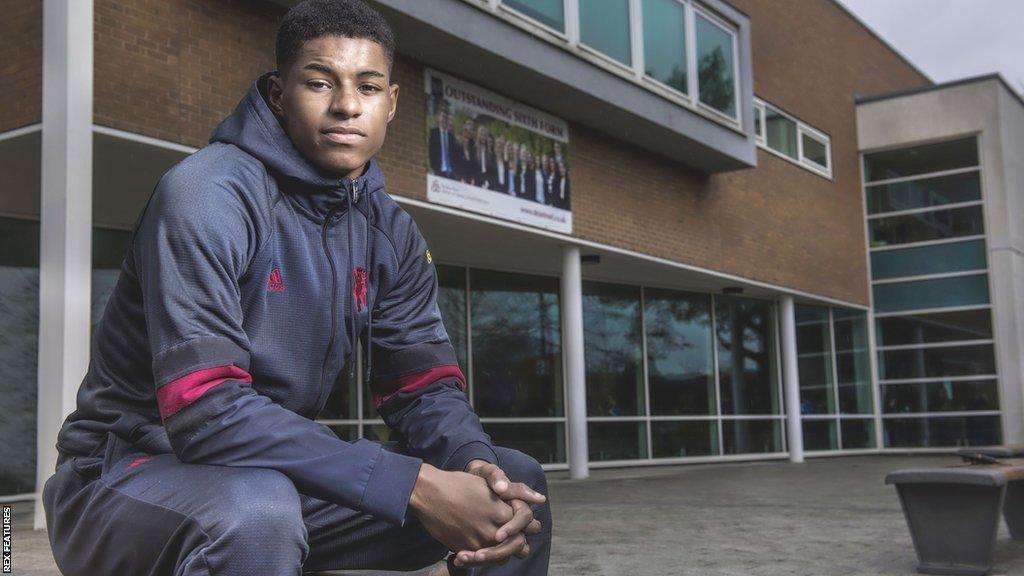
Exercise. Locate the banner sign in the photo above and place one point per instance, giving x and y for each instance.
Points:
(490, 155)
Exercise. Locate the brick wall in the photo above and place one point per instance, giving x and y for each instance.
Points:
(21, 63)
(173, 68)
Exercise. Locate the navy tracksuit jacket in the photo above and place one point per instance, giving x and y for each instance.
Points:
(247, 278)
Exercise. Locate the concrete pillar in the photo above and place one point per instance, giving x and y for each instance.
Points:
(575, 368)
(65, 243)
(791, 375)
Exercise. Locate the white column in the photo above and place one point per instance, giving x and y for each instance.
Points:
(65, 231)
(575, 381)
(791, 374)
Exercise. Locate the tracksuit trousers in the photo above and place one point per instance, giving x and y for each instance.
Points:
(132, 513)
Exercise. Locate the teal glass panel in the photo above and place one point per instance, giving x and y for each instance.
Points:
(548, 12)
(926, 226)
(924, 294)
(943, 396)
(604, 26)
(814, 360)
(665, 42)
(820, 435)
(942, 432)
(451, 300)
(853, 361)
(716, 68)
(921, 159)
(910, 363)
(747, 369)
(924, 193)
(858, 433)
(781, 131)
(617, 440)
(679, 354)
(613, 342)
(545, 441)
(934, 259)
(679, 439)
(935, 327)
(751, 436)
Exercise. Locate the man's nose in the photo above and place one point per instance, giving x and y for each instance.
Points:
(346, 102)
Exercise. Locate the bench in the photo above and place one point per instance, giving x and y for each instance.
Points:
(953, 512)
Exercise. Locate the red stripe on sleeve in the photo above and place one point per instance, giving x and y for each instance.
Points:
(179, 393)
(419, 380)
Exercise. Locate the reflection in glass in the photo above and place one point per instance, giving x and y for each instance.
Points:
(924, 226)
(517, 348)
(545, 441)
(924, 193)
(348, 433)
(936, 362)
(665, 42)
(781, 131)
(944, 431)
(617, 440)
(751, 436)
(548, 12)
(933, 259)
(678, 439)
(815, 150)
(820, 435)
(853, 361)
(679, 361)
(746, 356)
(451, 299)
(380, 433)
(943, 396)
(604, 26)
(858, 433)
(814, 360)
(921, 159)
(939, 293)
(935, 327)
(613, 349)
(715, 67)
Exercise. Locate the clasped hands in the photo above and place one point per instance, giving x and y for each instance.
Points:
(479, 513)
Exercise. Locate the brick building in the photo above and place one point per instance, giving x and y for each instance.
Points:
(710, 292)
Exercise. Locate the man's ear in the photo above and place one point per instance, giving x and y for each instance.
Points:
(275, 91)
(393, 88)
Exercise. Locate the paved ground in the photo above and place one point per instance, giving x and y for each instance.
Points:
(830, 516)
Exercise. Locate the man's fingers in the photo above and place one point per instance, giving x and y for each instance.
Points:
(494, 555)
(523, 552)
(533, 528)
(521, 518)
(498, 480)
(525, 493)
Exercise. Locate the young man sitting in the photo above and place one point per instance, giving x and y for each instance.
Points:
(254, 266)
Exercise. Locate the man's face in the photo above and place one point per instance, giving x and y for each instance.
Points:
(335, 101)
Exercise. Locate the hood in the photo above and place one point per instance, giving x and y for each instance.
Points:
(254, 128)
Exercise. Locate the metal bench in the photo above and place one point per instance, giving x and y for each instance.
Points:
(953, 512)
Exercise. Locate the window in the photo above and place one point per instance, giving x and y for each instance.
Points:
(551, 13)
(604, 26)
(926, 226)
(936, 293)
(759, 122)
(916, 160)
(614, 349)
(930, 328)
(930, 259)
(780, 133)
(814, 149)
(744, 330)
(679, 355)
(665, 43)
(791, 139)
(716, 70)
(925, 193)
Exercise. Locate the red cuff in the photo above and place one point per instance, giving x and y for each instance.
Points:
(419, 380)
(179, 393)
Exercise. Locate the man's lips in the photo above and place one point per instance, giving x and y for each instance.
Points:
(343, 135)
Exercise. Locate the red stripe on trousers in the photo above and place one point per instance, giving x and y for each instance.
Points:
(179, 393)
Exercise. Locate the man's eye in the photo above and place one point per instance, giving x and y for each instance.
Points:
(319, 84)
(370, 87)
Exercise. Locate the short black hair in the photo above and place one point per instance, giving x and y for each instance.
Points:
(311, 19)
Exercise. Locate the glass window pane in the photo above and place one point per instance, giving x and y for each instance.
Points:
(746, 356)
(548, 12)
(451, 299)
(858, 433)
(19, 349)
(920, 159)
(679, 361)
(924, 193)
(781, 132)
(815, 150)
(941, 293)
(379, 433)
(664, 42)
(948, 396)
(604, 26)
(545, 441)
(814, 360)
(716, 70)
(517, 347)
(936, 327)
(348, 433)
(924, 226)
(751, 436)
(343, 402)
(820, 435)
(617, 440)
(945, 431)
(681, 439)
(853, 361)
(936, 362)
(757, 121)
(613, 349)
(934, 259)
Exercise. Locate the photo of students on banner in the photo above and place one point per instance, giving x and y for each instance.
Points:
(490, 155)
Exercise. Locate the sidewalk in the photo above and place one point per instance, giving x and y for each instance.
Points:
(829, 516)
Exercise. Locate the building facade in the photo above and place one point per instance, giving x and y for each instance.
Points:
(703, 290)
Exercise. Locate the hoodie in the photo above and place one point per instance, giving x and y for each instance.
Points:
(248, 278)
